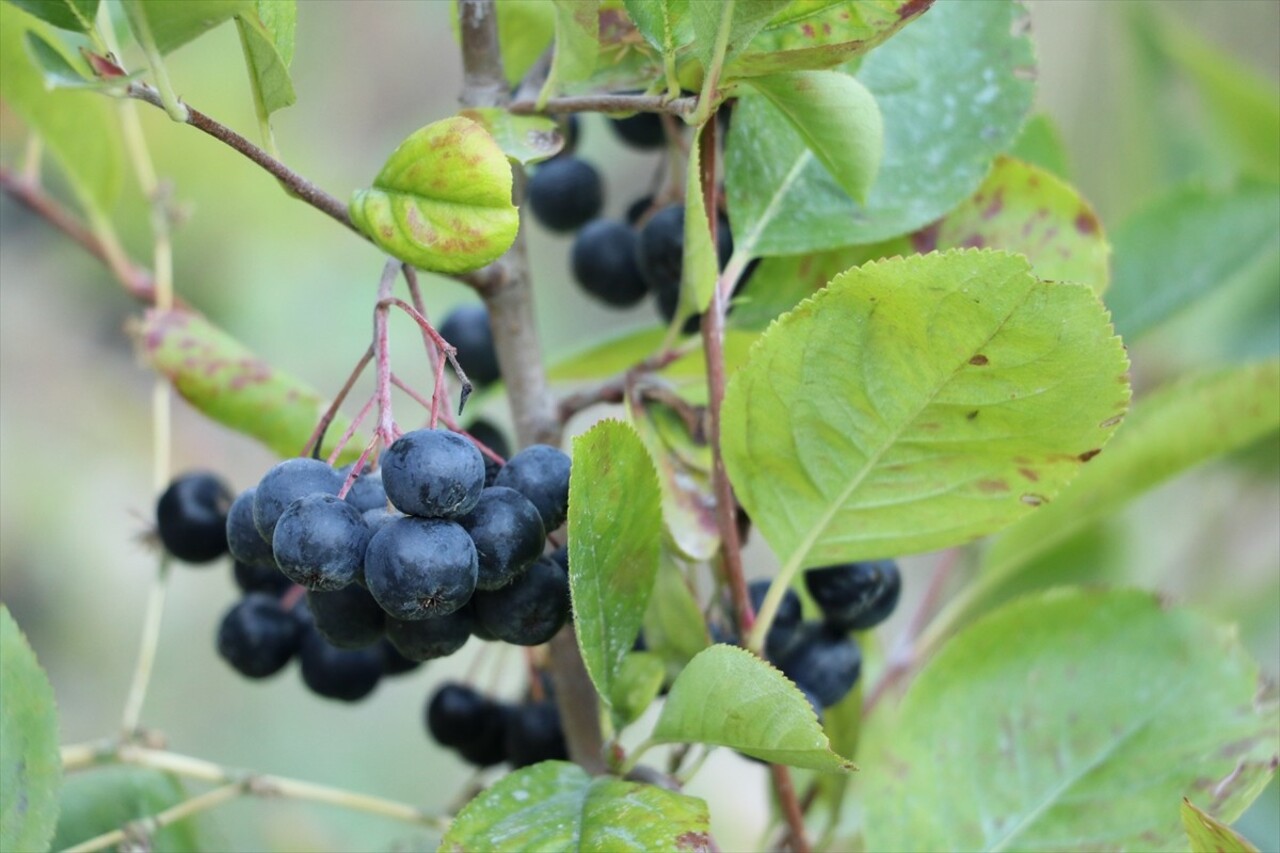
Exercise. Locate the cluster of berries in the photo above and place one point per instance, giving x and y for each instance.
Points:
(417, 556)
(820, 656)
(617, 262)
(485, 732)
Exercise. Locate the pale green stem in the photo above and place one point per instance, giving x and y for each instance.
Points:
(634, 757)
(707, 100)
(142, 32)
(147, 649)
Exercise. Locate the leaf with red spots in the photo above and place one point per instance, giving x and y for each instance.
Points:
(1071, 719)
(442, 202)
(556, 805)
(816, 34)
(850, 432)
(224, 380)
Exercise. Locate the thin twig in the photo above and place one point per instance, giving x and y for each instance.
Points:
(790, 808)
(613, 390)
(147, 648)
(316, 439)
(136, 280)
(609, 104)
(386, 429)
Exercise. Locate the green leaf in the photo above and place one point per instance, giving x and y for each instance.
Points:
(30, 764)
(75, 15)
(615, 529)
(665, 24)
(525, 139)
(815, 34)
(267, 38)
(746, 19)
(224, 380)
(107, 798)
(1041, 144)
(577, 45)
(917, 403)
(1021, 208)
(1173, 429)
(442, 202)
(555, 806)
(635, 686)
(1209, 835)
(1186, 245)
(838, 119)
(78, 128)
(173, 23)
(673, 625)
(941, 131)
(684, 473)
(1241, 101)
(1074, 719)
(727, 696)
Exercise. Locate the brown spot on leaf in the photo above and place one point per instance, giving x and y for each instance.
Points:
(1089, 454)
(996, 205)
(979, 360)
(913, 7)
(807, 29)
(932, 426)
(1086, 222)
(1033, 500)
(991, 486)
(1110, 422)
(971, 415)
(973, 241)
(697, 841)
(1029, 474)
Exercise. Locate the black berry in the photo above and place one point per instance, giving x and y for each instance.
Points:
(458, 715)
(319, 542)
(428, 639)
(637, 209)
(541, 474)
(394, 663)
(433, 473)
(467, 329)
(419, 568)
(491, 437)
(824, 662)
(642, 130)
(284, 484)
(258, 637)
(243, 539)
(266, 579)
(783, 631)
(855, 596)
(191, 517)
(508, 533)
(534, 734)
(348, 618)
(604, 263)
(565, 193)
(366, 490)
(530, 610)
(345, 674)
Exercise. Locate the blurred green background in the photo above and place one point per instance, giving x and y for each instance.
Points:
(75, 431)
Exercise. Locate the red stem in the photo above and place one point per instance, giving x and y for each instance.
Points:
(317, 435)
(387, 429)
(790, 807)
(346, 437)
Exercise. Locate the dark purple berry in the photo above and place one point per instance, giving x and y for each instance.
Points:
(855, 596)
(458, 714)
(191, 517)
(320, 541)
(433, 473)
(428, 639)
(530, 610)
(284, 484)
(243, 539)
(419, 568)
(394, 663)
(348, 675)
(642, 130)
(266, 579)
(467, 328)
(348, 618)
(541, 474)
(366, 490)
(565, 193)
(824, 662)
(603, 259)
(507, 531)
(257, 636)
(534, 734)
